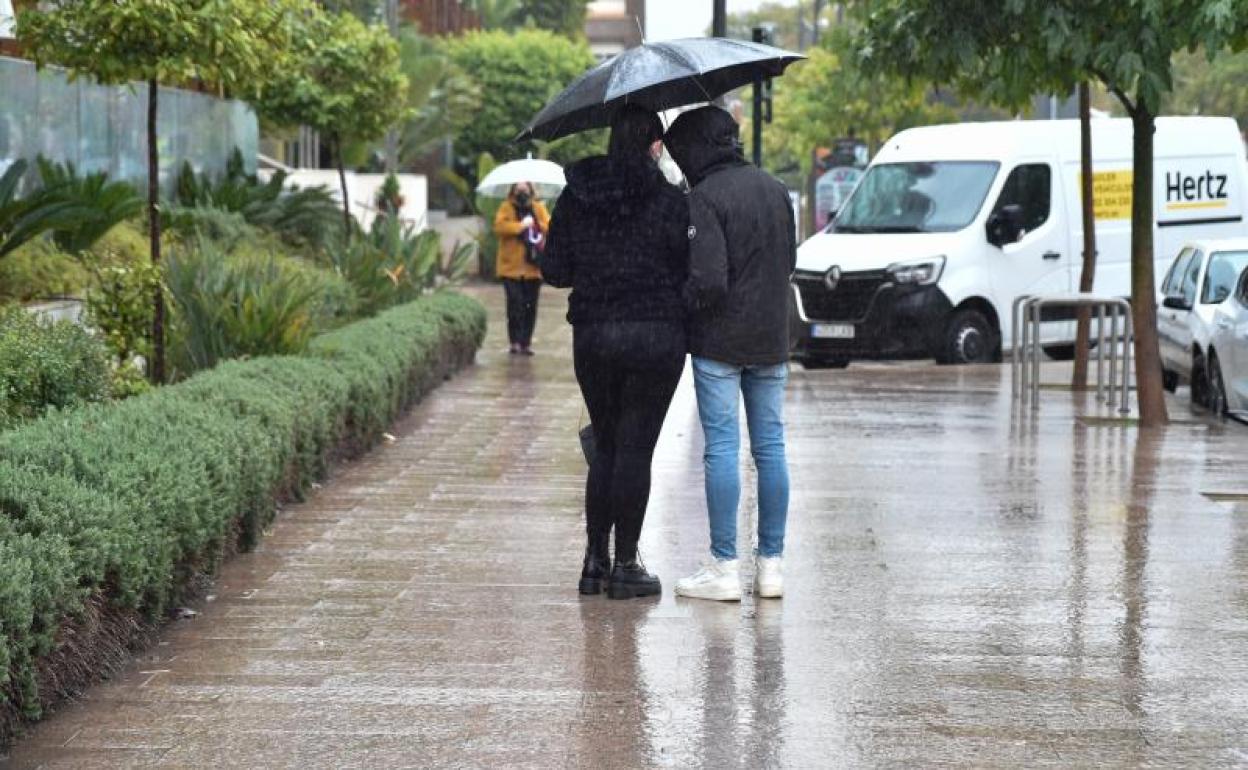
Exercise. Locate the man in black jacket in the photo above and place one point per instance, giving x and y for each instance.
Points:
(743, 248)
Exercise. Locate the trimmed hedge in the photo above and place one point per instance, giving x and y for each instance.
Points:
(130, 501)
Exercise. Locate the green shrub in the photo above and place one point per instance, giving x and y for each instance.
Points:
(128, 243)
(39, 270)
(395, 263)
(119, 304)
(305, 217)
(47, 364)
(230, 306)
(129, 500)
(227, 229)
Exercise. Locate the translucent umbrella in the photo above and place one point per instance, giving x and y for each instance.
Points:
(545, 176)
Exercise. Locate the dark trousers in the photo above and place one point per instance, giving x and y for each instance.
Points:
(628, 373)
(522, 296)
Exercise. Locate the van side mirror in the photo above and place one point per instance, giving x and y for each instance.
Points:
(1176, 302)
(1005, 225)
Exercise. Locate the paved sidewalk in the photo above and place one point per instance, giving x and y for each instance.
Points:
(966, 587)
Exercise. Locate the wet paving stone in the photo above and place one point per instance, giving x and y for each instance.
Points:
(969, 584)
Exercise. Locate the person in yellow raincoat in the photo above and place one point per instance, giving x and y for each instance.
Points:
(521, 225)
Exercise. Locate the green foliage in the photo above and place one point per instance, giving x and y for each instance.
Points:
(119, 303)
(22, 218)
(99, 205)
(830, 96)
(230, 306)
(516, 74)
(129, 500)
(394, 264)
(303, 217)
(234, 43)
(390, 197)
(496, 14)
(563, 17)
(47, 364)
(345, 80)
(441, 99)
(1205, 86)
(1027, 46)
(39, 270)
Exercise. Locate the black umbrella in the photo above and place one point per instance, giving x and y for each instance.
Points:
(657, 76)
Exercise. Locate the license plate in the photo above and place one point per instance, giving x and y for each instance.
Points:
(832, 331)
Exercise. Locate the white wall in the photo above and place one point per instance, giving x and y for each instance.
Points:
(6, 18)
(362, 192)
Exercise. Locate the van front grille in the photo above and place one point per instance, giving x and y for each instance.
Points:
(850, 301)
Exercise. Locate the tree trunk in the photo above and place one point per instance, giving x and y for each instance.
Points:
(157, 371)
(1079, 381)
(1143, 287)
(342, 180)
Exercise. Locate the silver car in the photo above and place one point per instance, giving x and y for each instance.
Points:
(1198, 284)
(1228, 354)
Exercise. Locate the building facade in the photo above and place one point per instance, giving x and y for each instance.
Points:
(440, 17)
(614, 25)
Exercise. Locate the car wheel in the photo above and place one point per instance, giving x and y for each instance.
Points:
(1215, 389)
(1200, 382)
(824, 363)
(969, 338)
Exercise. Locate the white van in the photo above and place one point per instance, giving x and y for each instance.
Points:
(951, 223)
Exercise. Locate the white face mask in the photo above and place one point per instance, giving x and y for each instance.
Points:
(668, 166)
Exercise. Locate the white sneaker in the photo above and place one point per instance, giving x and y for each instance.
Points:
(768, 577)
(720, 581)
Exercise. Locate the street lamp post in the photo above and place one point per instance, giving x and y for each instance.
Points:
(719, 18)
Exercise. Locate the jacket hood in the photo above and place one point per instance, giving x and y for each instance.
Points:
(606, 182)
(703, 141)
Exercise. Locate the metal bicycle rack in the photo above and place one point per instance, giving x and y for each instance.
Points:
(1025, 352)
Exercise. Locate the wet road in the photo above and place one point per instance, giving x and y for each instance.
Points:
(965, 588)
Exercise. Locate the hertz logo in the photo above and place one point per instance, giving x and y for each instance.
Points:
(1195, 192)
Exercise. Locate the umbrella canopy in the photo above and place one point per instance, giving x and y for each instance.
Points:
(545, 176)
(657, 76)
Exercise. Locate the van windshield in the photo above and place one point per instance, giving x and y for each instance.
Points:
(938, 197)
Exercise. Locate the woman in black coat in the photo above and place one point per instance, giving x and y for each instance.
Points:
(619, 238)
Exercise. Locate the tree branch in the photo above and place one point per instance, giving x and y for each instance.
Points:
(1132, 107)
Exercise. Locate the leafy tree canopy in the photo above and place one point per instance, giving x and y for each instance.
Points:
(516, 74)
(1017, 48)
(830, 96)
(234, 44)
(563, 17)
(344, 81)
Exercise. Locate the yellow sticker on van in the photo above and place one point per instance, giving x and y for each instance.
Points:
(1111, 194)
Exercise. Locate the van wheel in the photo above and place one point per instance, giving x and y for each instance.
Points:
(969, 338)
(824, 363)
(1065, 352)
(1169, 380)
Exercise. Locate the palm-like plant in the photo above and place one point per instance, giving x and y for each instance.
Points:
(100, 204)
(497, 14)
(24, 218)
(303, 216)
(226, 308)
(441, 99)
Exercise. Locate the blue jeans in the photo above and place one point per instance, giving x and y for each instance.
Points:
(718, 385)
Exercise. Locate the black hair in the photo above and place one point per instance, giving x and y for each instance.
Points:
(633, 130)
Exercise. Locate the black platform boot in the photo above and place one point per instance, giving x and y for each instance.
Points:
(629, 580)
(596, 572)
